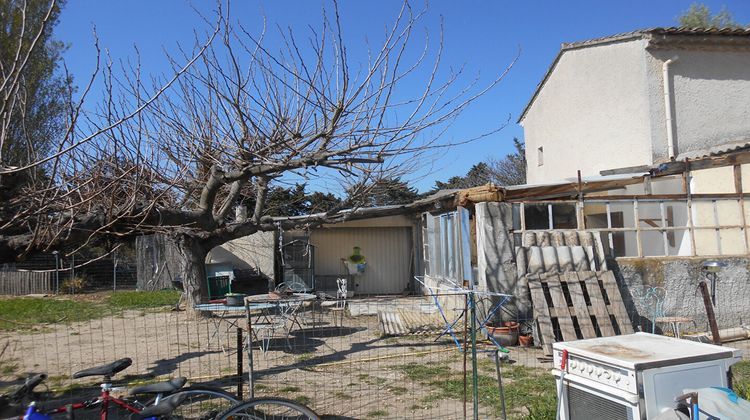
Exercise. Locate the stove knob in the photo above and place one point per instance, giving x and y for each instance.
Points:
(607, 375)
(573, 364)
(590, 369)
(582, 367)
(598, 372)
(617, 378)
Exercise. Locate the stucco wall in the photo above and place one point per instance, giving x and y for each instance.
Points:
(592, 114)
(680, 277)
(711, 98)
(255, 251)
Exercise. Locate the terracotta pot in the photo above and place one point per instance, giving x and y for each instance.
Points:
(506, 334)
(526, 340)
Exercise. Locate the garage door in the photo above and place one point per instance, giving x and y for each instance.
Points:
(388, 252)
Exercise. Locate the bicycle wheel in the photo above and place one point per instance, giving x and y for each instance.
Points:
(201, 402)
(268, 408)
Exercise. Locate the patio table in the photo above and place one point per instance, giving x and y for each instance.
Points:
(229, 314)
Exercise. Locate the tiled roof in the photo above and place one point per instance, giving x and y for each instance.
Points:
(655, 35)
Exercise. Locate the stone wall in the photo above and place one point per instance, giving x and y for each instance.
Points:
(679, 277)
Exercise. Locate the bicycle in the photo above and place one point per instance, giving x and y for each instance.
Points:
(201, 402)
(255, 409)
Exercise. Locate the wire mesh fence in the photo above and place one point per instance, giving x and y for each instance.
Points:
(380, 357)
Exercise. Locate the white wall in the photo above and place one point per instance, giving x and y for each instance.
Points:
(254, 251)
(592, 114)
(711, 98)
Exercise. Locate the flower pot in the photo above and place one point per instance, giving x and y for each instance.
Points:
(526, 340)
(505, 334)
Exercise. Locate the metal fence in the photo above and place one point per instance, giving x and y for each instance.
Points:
(383, 357)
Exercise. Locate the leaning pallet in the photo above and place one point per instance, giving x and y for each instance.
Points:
(576, 305)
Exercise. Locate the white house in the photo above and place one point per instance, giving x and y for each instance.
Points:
(637, 99)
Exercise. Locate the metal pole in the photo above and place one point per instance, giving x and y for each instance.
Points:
(251, 385)
(239, 363)
(499, 376)
(474, 379)
(114, 272)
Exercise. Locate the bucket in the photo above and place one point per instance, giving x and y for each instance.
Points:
(505, 334)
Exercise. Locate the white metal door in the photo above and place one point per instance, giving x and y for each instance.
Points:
(388, 252)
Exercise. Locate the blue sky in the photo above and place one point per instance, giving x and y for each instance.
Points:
(482, 35)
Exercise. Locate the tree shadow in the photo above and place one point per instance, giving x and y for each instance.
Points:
(166, 366)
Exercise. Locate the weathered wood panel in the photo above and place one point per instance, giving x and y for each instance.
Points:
(18, 283)
(594, 298)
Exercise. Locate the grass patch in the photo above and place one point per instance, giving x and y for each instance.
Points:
(342, 395)
(23, 313)
(303, 399)
(397, 390)
(741, 379)
(133, 299)
(529, 393)
(289, 389)
(377, 413)
(30, 313)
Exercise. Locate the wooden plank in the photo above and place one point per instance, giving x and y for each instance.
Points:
(615, 301)
(598, 305)
(541, 313)
(567, 330)
(579, 305)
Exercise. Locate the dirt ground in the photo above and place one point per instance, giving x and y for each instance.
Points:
(349, 371)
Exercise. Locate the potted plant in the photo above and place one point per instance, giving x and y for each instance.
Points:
(356, 262)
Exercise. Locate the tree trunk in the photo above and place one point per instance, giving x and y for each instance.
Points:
(192, 269)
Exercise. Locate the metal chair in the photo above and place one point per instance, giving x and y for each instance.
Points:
(650, 300)
(264, 328)
(338, 307)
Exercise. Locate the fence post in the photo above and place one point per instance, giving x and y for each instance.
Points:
(57, 271)
(239, 363)
(114, 271)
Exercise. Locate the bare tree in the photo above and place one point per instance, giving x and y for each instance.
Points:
(246, 117)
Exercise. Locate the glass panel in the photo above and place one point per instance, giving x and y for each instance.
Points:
(624, 243)
(678, 242)
(652, 243)
(667, 185)
(675, 213)
(732, 241)
(537, 216)
(705, 242)
(729, 212)
(564, 216)
(703, 214)
(516, 216)
(622, 214)
(595, 215)
(649, 214)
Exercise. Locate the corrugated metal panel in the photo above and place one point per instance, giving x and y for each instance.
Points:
(388, 252)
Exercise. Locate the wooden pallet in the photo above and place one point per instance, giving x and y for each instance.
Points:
(410, 322)
(577, 305)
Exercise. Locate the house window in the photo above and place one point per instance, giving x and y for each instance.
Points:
(540, 156)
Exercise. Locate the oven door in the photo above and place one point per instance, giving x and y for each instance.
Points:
(583, 399)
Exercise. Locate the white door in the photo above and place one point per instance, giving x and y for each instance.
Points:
(388, 252)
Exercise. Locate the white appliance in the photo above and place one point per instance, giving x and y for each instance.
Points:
(634, 376)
